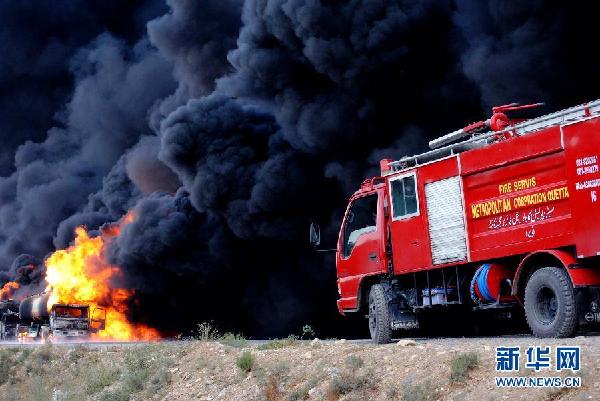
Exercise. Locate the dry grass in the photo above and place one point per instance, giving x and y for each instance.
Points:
(348, 382)
(280, 343)
(196, 369)
(462, 364)
(6, 361)
(271, 390)
(76, 374)
(424, 391)
(354, 362)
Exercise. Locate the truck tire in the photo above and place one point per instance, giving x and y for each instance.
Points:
(379, 316)
(550, 306)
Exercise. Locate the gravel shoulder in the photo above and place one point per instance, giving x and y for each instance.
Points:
(286, 370)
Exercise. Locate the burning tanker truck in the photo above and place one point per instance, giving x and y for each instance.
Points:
(37, 320)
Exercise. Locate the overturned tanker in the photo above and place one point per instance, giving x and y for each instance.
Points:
(40, 319)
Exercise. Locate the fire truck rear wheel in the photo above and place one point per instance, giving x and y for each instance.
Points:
(379, 316)
(550, 305)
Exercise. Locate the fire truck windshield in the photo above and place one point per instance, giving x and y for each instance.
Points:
(361, 219)
(70, 312)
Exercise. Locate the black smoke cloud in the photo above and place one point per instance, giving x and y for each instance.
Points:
(37, 40)
(195, 36)
(233, 124)
(106, 115)
(528, 51)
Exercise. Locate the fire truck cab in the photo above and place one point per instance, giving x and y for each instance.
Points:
(501, 214)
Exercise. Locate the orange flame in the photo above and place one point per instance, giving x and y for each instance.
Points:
(8, 290)
(81, 274)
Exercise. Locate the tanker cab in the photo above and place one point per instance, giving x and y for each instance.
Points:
(98, 319)
(360, 245)
(69, 320)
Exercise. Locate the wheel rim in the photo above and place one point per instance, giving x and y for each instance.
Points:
(372, 319)
(546, 305)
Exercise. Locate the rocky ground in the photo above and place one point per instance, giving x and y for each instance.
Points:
(284, 370)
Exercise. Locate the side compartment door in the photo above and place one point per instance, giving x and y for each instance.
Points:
(410, 242)
(582, 150)
(360, 250)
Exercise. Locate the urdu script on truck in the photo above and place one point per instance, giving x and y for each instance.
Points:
(500, 216)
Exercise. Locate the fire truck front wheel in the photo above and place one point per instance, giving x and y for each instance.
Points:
(550, 303)
(379, 316)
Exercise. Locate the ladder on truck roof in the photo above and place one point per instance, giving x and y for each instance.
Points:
(570, 115)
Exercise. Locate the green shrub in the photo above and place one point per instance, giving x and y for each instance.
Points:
(101, 378)
(279, 370)
(24, 355)
(38, 389)
(354, 362)
(206, 331)
(145, 371)
(233, 340)
(282, 343)
(159, 380)
(39, 359)
(461, 365)
(137, 369)
(301, 392)
(117, 394)
(418, 392)
(246, 361)
(346, 383)
(77, 353)
(5, 364)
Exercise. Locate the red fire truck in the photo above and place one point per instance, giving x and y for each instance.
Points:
(504, 213)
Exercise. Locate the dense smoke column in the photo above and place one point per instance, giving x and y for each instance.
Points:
(106, 115)
(195, 36)
(345, 78)
(310, 110)
(37, 40)
(529, 51)
(227, 248)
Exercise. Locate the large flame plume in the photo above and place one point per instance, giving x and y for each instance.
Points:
(80, 274)
(7, 291)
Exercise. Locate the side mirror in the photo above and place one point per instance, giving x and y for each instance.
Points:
(315, 234)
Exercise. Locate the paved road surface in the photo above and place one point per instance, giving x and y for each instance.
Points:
(108, 344)
(422, 340)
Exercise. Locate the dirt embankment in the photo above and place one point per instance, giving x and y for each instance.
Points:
(286, 370)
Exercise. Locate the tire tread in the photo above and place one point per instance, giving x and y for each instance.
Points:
(384, 328)
(569, 324)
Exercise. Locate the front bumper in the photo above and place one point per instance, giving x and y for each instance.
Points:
(70, 333)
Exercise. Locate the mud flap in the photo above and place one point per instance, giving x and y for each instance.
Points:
(588, 306)
(403, 319)
(399, 305)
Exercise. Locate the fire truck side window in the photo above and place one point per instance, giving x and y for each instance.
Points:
(404, 197)
(361, 219)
